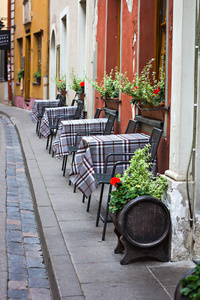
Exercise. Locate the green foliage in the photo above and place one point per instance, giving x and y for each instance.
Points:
(137, 181)
(37, 74)
(190, 286)
(109, 86)
(77, 83)
(20, 74)
(60, 82)
(144, 89)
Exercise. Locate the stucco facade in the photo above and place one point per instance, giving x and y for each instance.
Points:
(71, 45)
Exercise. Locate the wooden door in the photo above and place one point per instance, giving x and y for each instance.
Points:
(27, 68)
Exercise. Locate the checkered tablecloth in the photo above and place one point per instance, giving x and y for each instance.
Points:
(37, 108)
(66, 135)
(51, 113)
(90, 157)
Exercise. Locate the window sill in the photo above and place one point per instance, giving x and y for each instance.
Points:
(35, 83)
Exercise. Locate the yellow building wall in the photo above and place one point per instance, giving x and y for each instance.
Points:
(28, 32)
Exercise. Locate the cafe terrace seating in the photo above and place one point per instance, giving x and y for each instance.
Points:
(105, 178)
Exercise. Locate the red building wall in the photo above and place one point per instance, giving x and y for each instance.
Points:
(108, 53)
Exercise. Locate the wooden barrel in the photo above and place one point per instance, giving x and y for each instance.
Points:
(144, 221)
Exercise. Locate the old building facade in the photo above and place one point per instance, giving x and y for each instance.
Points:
(31, 51)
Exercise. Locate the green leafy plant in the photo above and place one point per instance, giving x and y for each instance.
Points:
(137, 181)
(78, 83)
(109, 86)
(37, 74)
(190, 286)
(20, 74)
(145, 89)
(60, 82)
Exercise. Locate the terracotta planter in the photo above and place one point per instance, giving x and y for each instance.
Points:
(156, 112)
(112, 103)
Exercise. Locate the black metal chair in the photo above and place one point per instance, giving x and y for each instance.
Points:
(132, 124)
(54, 127)
(104, 178)
(73, 149)
(40, 115)
(97, 113)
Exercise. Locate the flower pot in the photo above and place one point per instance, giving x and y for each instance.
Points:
(81, 96)
(178, 295)
(156, 112)
(38, 79)
(142, 228)
(112, 103)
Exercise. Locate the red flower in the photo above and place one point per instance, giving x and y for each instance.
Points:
(82, 83)
(59, 80)
(114, 180)
(156, 91)
(136, 87)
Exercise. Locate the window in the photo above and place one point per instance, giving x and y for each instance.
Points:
(20, 45)
(58, 61)
(160, 34)
(39, 52)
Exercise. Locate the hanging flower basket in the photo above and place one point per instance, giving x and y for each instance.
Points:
(156, 112)
(112, 103)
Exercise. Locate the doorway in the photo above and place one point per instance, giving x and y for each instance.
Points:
(27, 68)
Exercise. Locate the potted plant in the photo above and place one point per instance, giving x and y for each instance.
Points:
(141, 219)
(147, 92)
(60, 83)
(189, 285)
(20, 74)
(108, 88)
(77, 85)
(37, 75)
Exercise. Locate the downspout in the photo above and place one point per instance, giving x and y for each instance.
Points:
(192, 152)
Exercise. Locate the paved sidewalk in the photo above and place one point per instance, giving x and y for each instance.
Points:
(79, 264)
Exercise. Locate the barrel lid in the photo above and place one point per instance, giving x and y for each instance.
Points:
(145, 221)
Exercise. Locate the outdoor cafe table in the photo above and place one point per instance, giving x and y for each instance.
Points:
(38, 106)
(67, 133)
(90, 157)
(51, 113)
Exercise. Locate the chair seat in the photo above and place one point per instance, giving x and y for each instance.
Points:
(102, 178)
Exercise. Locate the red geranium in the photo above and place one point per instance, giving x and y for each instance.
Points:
(82, 83)
(114, 180)
(156, 91)
(59, 80)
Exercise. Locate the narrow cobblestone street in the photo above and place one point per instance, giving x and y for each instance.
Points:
(27, 277)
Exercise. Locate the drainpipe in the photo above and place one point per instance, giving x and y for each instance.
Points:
(193, 150)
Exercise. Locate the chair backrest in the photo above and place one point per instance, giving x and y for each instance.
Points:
(78, 111)
(97, 114)
(109, 124)
(131, 126)
(61, 100)
(73, 102)
(154, 141)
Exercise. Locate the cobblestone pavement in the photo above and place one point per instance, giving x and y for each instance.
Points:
(27, 277)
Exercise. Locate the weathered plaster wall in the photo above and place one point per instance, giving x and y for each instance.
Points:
(181, 232)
